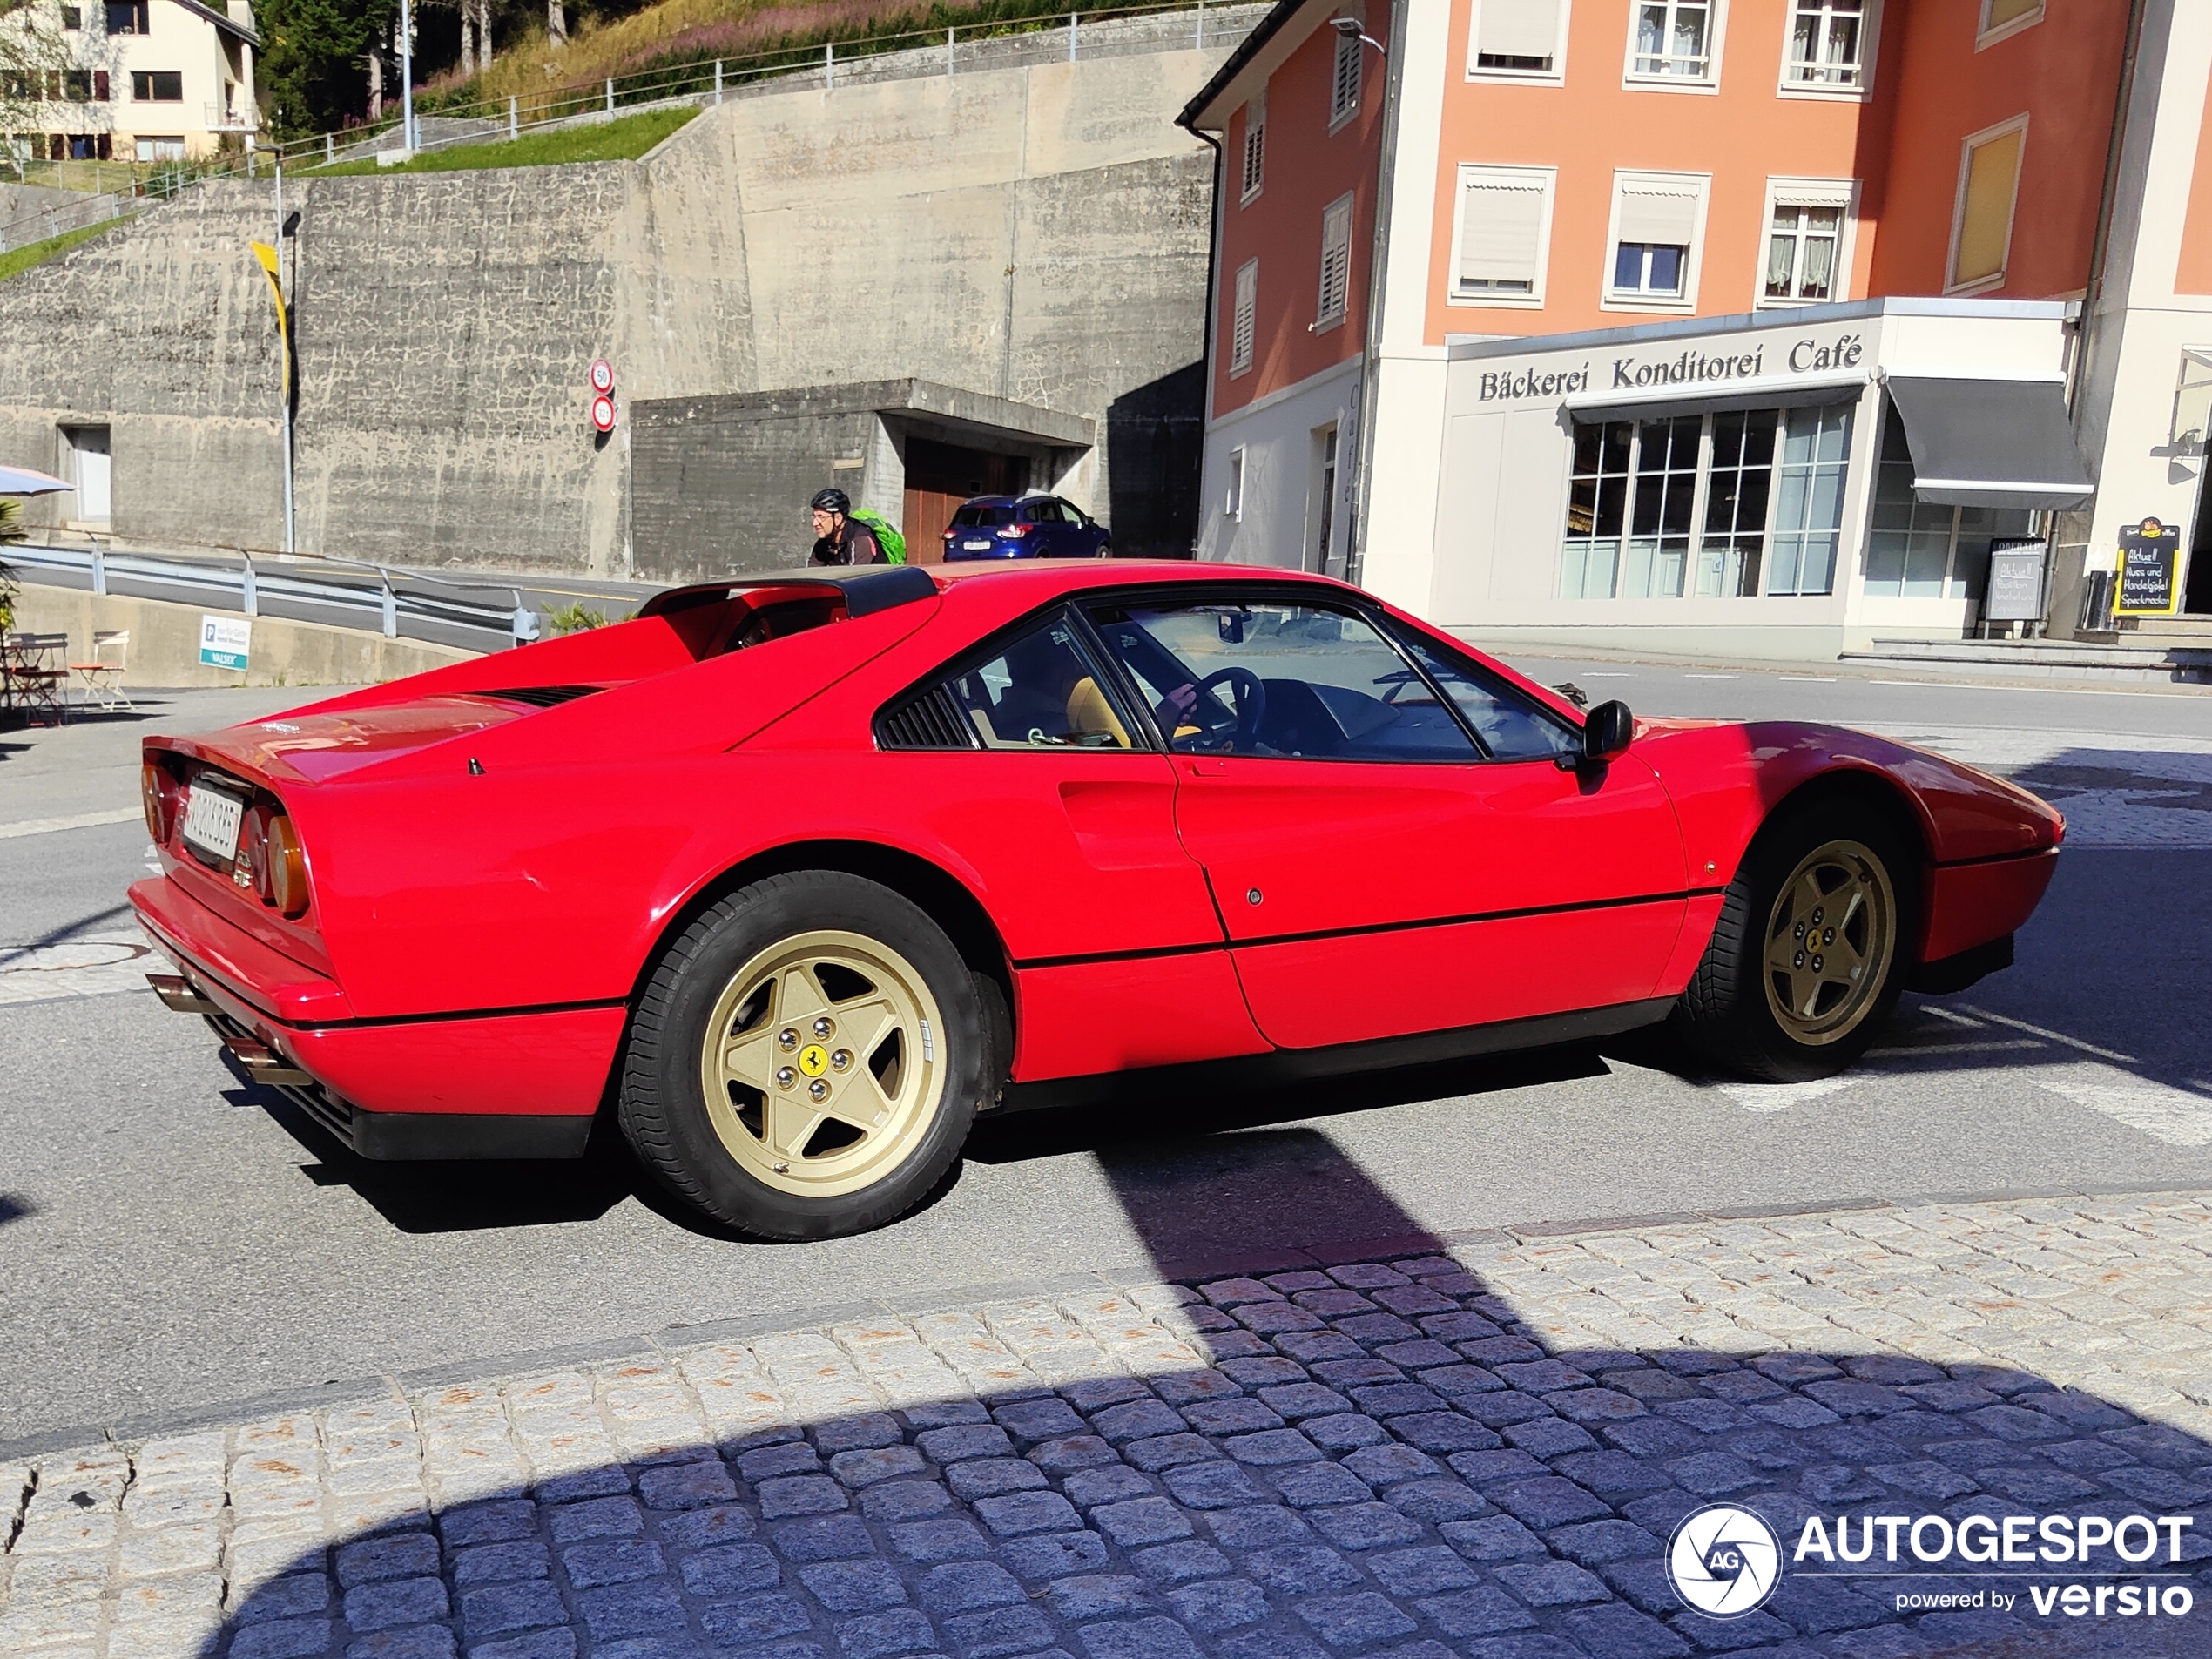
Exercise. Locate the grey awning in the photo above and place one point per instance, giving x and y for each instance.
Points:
(1990, 443)
(1799, 392)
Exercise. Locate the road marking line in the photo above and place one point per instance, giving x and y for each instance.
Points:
(1809, 679)
(81, 821)
(1780, 1097)
(1712, 676)
(2159, 1111)
(2014, 1044)
(2055, 1036)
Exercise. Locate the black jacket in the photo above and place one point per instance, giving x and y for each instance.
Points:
(853, 543)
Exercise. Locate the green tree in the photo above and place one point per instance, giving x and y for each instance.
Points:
(310, 71)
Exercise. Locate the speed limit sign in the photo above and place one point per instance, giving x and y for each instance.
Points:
(602, 413)
(602, 376)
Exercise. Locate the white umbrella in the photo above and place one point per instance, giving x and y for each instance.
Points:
(23, 481)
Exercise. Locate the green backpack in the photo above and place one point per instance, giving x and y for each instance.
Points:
(892, 543)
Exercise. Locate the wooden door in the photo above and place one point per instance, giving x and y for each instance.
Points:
(940, 476)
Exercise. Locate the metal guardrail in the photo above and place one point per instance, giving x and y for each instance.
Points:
(388, 593)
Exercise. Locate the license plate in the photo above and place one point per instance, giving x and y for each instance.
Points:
(213, 820)
(977, 547)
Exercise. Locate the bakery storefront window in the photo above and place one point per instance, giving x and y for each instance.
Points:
(1691, 505)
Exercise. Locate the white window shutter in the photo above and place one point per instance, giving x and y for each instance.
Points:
(1240, 342)
(1658, 211)
(1519, 28)
(1500, 228)
(1336, 259)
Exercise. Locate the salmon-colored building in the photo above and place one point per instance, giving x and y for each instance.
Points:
(1776, 325)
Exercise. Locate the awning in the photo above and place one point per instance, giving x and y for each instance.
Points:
(1990, 443)
(1662, 402)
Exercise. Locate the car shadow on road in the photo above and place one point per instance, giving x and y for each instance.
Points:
(1367, 1449)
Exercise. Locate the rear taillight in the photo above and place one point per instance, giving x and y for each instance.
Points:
(286, 864)
(158, 794)
(1015, 532)
(271, 863)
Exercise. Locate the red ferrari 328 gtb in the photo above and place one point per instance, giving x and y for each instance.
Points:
(795, 874)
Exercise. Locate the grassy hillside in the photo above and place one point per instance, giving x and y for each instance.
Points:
(38, 253)
(618, 141)
(675, 32)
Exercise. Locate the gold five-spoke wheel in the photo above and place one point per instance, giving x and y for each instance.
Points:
(1828, 943)
(820, 1064)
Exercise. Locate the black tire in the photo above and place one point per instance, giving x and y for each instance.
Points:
(1731, 1014)
(663, 1106)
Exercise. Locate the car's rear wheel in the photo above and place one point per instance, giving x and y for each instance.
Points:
(806, 1059)
(1808, 955)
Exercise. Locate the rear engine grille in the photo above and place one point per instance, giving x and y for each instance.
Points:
(543, 696)
(929, 721)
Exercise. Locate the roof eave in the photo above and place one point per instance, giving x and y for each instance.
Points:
(1196, 114)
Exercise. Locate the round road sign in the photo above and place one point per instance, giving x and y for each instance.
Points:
(602, 413)
(603, 375)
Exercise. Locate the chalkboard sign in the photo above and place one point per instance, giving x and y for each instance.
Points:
(2150, 570)
(2016, 582)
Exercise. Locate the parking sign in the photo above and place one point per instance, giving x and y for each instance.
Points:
(224, 641)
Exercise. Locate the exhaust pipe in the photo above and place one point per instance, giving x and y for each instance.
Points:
(175, 992)
(263, 1064)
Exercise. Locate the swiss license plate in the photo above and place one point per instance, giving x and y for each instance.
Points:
(213, 820)
(977, 547)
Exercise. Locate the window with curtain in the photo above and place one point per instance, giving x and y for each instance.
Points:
(1988, 185)
(1672, 38)
(1801, 251)
(1809, 506)
(1826, 37)
(1501, 225)
(1920, 549)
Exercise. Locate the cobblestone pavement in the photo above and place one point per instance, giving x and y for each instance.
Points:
(1477, 1449)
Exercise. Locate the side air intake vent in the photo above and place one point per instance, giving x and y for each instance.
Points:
(543, 696)
(929, 721)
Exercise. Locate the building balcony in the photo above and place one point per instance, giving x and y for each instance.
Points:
(231, 118)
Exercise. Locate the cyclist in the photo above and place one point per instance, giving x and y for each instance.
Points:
(838, 537)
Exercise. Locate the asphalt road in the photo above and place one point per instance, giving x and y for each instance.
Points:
(171, 1237)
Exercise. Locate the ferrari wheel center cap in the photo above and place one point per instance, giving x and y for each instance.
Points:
(813, 1060)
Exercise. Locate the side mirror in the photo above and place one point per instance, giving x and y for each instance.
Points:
(1607, 731)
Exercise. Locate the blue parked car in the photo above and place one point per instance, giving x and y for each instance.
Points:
(1025, 527)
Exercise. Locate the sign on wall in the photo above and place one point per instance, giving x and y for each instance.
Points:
(2150, 570)
(224, 641)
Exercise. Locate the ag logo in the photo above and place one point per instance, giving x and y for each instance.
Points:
(1723, 1561)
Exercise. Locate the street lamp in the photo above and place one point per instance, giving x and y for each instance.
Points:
(1350, 28)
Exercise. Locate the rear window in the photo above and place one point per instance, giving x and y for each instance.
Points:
(982, 518)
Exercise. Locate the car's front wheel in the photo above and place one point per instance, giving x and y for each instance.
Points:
(1808, 955)
(807, 1058)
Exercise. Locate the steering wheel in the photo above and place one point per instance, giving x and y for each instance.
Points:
(1250, 697)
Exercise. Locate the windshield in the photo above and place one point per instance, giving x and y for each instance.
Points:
(1268, 679)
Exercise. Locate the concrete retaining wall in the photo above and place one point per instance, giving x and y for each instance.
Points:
(164, 644)
(1035, 234)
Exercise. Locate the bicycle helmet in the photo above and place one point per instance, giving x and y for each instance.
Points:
(831, 501)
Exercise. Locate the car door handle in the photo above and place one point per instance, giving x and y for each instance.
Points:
(1204, 766)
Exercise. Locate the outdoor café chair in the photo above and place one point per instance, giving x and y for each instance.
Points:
(102, 678)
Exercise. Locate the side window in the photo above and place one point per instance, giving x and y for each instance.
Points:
(1512, 727)
(1279, 680)
(1040, 691)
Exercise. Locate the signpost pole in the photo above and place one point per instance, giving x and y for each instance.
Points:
(406, 77)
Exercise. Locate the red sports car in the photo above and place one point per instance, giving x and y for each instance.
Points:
(795, 874)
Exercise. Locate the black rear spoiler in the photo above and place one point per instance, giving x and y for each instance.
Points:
(865, 590)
